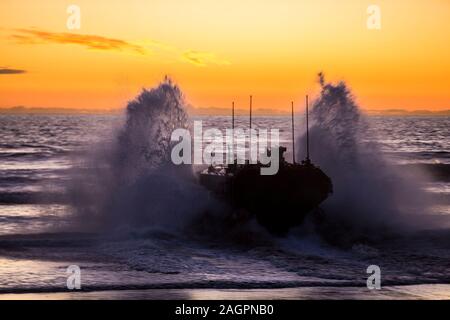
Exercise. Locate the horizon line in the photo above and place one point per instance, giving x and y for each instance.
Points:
(210, 111)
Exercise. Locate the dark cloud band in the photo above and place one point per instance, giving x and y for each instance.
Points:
(32, 36)
(11, 71)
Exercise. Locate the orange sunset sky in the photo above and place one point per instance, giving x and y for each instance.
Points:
(219, 51)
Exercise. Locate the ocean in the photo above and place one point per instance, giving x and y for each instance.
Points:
(42, 232)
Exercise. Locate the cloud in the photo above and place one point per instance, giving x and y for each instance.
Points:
(202, 59)
(33, 36)
(11, 71)
(197, 58)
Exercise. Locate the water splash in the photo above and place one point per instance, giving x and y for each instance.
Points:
(370, 195)
(144, 142)
(133, 182)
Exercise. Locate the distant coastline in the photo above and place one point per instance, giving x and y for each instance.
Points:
(44, 110)
(402, 112)
(212, 111)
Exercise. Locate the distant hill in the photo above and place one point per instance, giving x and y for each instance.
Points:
(238, 112)
(285, 112)
(37, 110)
(403, 112)
(192, 110)
(204, 111)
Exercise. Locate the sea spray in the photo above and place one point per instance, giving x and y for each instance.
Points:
(132, 182)
(370, 195)
(144, 142)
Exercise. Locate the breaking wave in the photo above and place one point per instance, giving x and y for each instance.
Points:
(370, 195)
(134, 183)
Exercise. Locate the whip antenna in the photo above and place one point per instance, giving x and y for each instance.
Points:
(307, 131)
(250, 112)
(232, 116)
(293, 134)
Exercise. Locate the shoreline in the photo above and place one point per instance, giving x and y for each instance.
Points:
(406, 292)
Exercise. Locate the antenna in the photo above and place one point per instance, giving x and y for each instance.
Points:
(232, 126)
(307, 131)
(232, 116)
(250, 112)
(293, 134)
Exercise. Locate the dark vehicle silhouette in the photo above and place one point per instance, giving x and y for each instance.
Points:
(280, 201)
